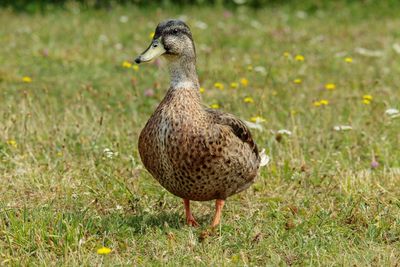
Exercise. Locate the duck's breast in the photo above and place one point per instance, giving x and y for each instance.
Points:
(152, 142)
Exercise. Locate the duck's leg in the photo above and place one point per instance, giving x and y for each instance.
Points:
(219, 204)
(189, 217)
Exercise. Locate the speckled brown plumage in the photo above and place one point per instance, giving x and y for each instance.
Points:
(194, 152)
(197, 153)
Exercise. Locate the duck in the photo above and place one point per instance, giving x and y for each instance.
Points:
(194, 152)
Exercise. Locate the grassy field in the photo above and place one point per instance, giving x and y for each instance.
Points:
(71, 180)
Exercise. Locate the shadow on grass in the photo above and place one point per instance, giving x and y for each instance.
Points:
(146, 221)
(142, 222)
(159, 220)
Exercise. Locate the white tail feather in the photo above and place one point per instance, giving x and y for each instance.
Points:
(264, 158)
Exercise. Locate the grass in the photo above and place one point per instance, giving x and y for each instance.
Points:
(319, 202)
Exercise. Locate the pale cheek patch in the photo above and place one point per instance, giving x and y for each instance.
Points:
(175, 45)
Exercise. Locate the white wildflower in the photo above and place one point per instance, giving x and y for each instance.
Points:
(392, 113)
(396, 48)
(301, 14)
(183, 17)
(284, 132)
(264, 158)
(201, 25)
(369, 53)
(254, 125)
(123, 19)
(256, 24)
(118, 46)
(260, 69)
(108, 153)
(342, 128)
(103, 39)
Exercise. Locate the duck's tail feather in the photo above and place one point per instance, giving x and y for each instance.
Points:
(264, 158)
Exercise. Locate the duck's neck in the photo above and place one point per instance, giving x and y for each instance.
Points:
(183, 73)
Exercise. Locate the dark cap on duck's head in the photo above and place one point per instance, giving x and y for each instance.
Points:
(172, 27)
(172, 37)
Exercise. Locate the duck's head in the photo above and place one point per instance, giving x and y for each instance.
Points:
(172, 39)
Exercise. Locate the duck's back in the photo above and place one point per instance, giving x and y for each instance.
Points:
(197, 153)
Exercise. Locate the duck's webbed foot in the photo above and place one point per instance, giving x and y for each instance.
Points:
(189, 217)
(219, 204)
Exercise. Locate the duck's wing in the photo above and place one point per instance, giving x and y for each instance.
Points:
(237, 126)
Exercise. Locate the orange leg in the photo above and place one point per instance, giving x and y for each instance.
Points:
(219, 204)
(189, 217)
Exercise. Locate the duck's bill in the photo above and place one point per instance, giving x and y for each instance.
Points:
(155, 49)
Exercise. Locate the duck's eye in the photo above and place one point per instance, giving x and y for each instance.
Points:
(175, 31)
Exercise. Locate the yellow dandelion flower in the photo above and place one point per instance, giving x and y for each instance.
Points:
(59, 154)
(293, 112)
(367, 97)
(12, 143)
(249, 67)
(215, 106)
(257, 119)
(234, 85)
(27, 79)
(324, 102)
(202, 90)
(248, 100)
(244, 82)
(366, 101)
(235, 258)
(126, 64)
(317, 103)
(330, 86)
(286, 54)
(219, 85)
(274, 93)
(103, 251)
(299, 58)
(151, 35)
(348, 60)
(297, 81)
(135, 67)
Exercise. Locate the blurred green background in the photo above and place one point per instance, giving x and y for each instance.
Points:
(307, 5)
